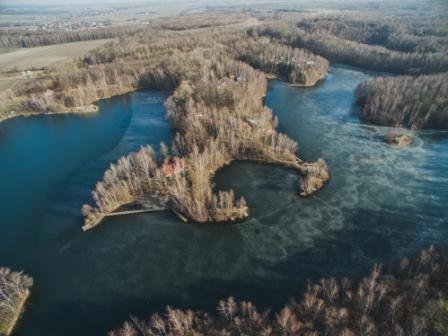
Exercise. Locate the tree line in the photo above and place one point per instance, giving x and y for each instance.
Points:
(28, 39)
(395, 34)
(410, 299)
(372, 42)
(371, 57)
(405, 101)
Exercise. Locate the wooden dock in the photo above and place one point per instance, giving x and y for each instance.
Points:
(133, 212)
(142, 205)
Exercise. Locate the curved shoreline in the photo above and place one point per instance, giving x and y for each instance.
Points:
(126, 178)
(216, 108)
(90, 109)
(313, 178)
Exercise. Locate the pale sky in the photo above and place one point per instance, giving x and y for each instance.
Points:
(68, 2)
(98, 2)
(92, 2)
(77, 2)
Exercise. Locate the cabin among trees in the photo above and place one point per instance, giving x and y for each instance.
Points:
(171, 167)
(210, 110)
(296, 66)
(407, 46)
(216, 107)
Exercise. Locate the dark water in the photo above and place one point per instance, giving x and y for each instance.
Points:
(381, 203)
(48, 167)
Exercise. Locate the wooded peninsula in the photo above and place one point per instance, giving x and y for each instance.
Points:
(216, 108)
(218, 113)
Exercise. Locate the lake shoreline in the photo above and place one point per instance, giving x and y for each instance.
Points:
(267, 258)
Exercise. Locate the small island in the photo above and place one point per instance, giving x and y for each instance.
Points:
(396, 138)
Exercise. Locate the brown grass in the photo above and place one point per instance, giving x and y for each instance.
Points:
(42, 57)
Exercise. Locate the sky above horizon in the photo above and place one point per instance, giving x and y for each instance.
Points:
(105, 2)
(78, 2)
(94, 2)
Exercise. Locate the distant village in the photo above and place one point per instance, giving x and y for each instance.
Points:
(64, 26)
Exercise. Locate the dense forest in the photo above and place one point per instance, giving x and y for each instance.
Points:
(410, 299)
(21, 38)
(14, 291)
(153, 59)
(296, 66)
(216, 108)
(389, 33)
(28, 39)
(404, 101)
(201, 20)
(371, 57)
(369, 41)
(397, 45)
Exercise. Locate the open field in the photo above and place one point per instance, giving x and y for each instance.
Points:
(9, 83)
(46, 56)
(40, 57)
